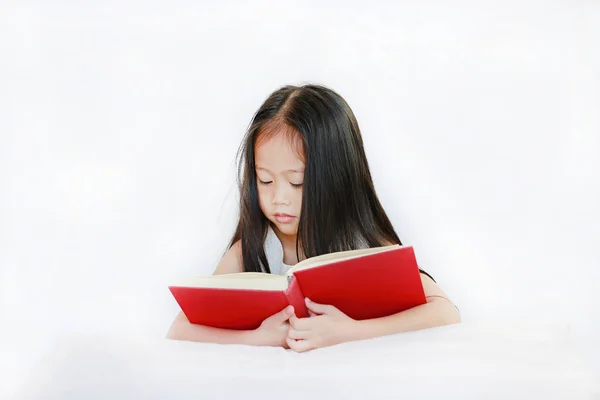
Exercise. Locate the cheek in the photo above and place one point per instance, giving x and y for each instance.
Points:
(264, 195)
(298, 199)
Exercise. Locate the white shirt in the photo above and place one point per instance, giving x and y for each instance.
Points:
(274, 253)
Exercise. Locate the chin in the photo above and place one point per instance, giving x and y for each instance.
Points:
(287, 229)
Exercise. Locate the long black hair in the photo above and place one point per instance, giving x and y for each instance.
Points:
(340, 209)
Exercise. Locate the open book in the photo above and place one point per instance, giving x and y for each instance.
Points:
(363, 284)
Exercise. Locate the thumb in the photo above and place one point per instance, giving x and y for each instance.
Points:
(284, 314)
(317, 308)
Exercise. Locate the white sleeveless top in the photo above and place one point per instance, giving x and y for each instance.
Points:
(274, 253)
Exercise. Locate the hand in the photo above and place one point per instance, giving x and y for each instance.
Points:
(326, 326)
(273, 330)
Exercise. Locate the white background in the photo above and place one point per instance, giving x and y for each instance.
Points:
(119, 125)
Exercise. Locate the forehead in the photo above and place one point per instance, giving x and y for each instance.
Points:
(279, 152)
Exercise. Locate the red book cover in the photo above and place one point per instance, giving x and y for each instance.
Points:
(363, 285)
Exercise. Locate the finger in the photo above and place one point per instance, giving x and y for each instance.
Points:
(294, 321)
(300, 345)
(318, 308)
(312, 314)
(284, 314)
(297, 334)
(300, 323)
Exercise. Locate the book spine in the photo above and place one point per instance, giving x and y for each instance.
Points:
(295, 297)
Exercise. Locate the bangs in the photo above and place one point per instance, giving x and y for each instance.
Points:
(277, 127)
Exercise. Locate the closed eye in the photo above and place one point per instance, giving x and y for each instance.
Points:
(296, 185)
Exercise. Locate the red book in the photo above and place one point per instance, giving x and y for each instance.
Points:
(363, 284)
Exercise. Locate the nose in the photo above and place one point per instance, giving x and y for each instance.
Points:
(280, 195)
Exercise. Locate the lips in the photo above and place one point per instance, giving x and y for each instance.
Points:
(284, 218)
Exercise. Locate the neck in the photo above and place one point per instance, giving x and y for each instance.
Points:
(288, 242)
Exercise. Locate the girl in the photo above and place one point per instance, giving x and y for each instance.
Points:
(306, 189)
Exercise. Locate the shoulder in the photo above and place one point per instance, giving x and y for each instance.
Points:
(232, 261)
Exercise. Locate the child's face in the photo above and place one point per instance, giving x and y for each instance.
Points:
(280, 175)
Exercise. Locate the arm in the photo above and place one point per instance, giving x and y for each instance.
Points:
(438, 311)
(272, 331)
(327, 325)
(182, 329)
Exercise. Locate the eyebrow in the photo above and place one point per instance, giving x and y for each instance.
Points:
(287, 170)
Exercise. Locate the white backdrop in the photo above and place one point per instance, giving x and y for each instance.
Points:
(119, 125)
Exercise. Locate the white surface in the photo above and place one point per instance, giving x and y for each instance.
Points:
(459, 362)
(119, 124)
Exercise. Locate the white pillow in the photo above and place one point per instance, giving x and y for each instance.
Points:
(466, 361)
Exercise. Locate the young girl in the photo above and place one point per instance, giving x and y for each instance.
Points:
(306, 189)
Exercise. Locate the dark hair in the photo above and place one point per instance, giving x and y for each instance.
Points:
(340, 209)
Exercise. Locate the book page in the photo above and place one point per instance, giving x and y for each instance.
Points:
(325, 259)
(242, 280)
